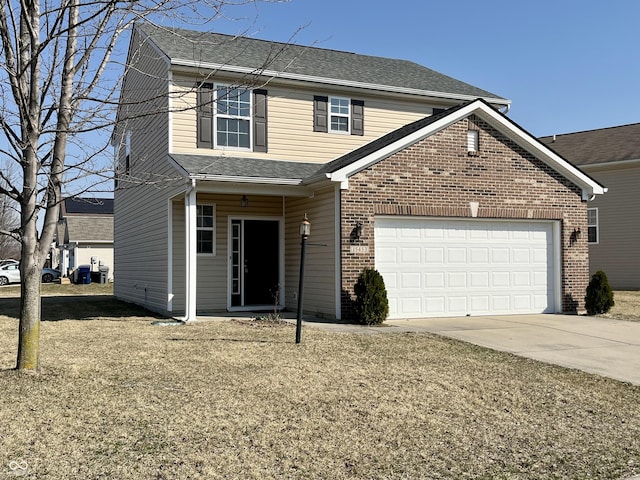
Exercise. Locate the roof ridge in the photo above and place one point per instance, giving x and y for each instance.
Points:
(591, 130)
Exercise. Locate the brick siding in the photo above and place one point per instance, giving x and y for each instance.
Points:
(437, 177)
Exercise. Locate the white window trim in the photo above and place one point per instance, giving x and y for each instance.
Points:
(596, 225)
(218, 115)
(212, 229)
(341, 115)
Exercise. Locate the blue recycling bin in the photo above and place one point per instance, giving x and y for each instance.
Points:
(84, 274)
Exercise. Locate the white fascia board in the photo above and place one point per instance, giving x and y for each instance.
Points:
(487, 113)
(331, 81)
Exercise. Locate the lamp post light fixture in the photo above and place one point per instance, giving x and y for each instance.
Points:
(305, 231)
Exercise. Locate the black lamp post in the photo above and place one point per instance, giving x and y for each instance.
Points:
(305, 231)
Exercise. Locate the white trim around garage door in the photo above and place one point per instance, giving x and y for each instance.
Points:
(436, 267)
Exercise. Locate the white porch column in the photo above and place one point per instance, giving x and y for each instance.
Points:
(190, 254)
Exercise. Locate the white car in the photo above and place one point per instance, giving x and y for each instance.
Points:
(10, 273)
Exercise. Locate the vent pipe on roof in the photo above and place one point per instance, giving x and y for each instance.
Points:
(554, 137)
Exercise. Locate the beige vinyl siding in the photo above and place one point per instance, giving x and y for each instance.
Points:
(212, 270)
(618, 250)
(290, 124)
(140, 206)
(320, 266)
(102, 253)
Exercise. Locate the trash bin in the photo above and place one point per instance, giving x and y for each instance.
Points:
(104, 274)
(84, 274)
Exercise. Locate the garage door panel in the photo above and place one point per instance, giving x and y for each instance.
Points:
(500, 255)
(457, 279)
(479, 255)
(500, 279)
(410, 280)
(458, 267)
(457, 305)
(387, 255)
(434, 255)
(410, 255)
(434, 280)
(457, 255)
(479, 279)
(479, 304)
(521, 255)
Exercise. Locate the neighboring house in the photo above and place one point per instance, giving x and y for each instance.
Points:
(612, 157)
(85, 234)
(225, 143)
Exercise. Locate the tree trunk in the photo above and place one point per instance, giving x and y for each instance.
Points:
(30, 306)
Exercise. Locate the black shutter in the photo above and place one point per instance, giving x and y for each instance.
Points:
(259, 120)
(357, 117)
(205, 116)
(320, 114)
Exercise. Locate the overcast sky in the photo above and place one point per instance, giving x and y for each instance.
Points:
(566, 65)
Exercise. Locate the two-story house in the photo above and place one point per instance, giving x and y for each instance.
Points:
(226, 143)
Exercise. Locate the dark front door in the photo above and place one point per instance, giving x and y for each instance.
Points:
(255, 262)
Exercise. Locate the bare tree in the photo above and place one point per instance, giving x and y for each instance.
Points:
(59, 80)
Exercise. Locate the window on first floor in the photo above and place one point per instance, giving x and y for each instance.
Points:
(592, 225)
(206, 229)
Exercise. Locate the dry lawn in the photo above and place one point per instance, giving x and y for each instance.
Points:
(627, 306)
(120, 398)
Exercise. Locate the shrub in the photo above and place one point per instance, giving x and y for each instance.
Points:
(599, 298)
(371, 305)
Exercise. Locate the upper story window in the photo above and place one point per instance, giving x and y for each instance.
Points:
(206, 229)
(593, 234)
(232, 117)
(338, 115)
(339, 108)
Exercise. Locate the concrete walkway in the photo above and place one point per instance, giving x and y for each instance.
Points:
(597, 345)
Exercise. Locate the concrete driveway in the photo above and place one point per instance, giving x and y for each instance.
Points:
(606, 347)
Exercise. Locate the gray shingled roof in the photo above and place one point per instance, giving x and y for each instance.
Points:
(90, 229)
(604, 145)
(204, 47)
(244, 167)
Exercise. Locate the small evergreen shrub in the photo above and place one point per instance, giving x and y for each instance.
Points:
(371, 305)
(599, 298)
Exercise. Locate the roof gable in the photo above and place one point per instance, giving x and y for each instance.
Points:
(592, 147)
(259, 57)
(344, 167)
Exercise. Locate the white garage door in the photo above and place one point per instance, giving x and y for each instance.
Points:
(437, 268)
